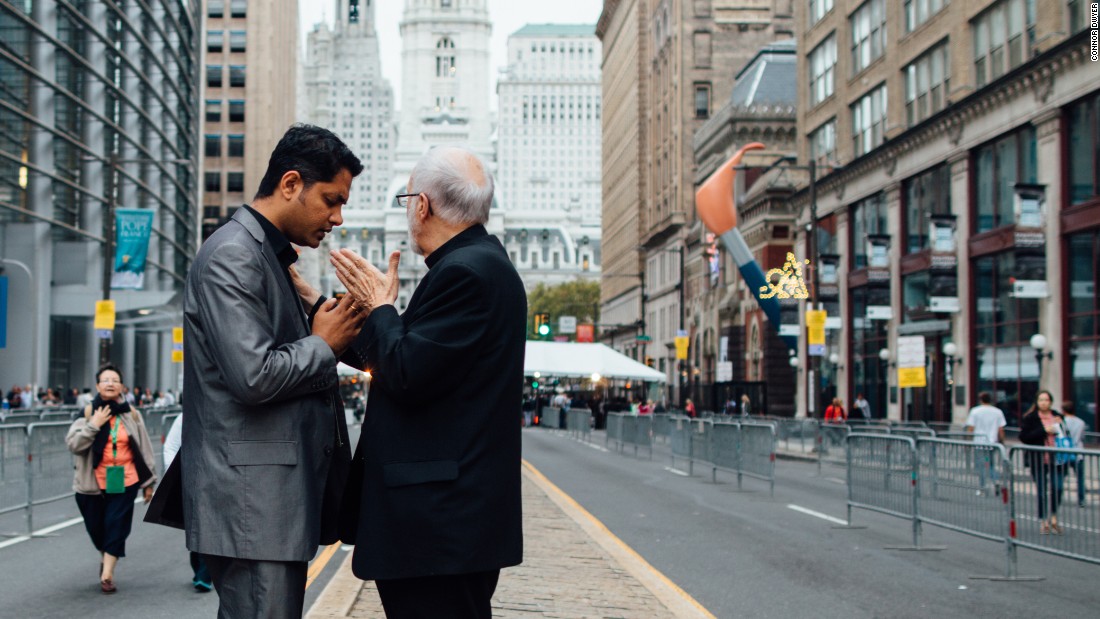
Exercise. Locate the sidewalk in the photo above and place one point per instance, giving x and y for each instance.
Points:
(573, 568)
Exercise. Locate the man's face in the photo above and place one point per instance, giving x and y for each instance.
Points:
(318, 210)
(415, 227)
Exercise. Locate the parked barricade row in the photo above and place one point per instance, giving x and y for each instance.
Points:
(49, 465)
(579, 423)
(550, 417)
(882, 476)
(661, 427)
(614, 430)
(630, 430)
(13, 468)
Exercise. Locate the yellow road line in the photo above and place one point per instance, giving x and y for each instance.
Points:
(320, 562)
(562, 497)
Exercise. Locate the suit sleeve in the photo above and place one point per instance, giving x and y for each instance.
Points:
(233, 310)
(432, 355)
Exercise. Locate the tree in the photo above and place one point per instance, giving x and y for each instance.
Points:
(577, 298)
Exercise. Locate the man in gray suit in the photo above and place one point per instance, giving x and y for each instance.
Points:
(265, 439)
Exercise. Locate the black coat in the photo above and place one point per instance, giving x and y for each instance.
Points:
(1032, 432)
(440, 440)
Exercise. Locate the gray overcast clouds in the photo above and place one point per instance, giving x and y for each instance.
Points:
(507, 16)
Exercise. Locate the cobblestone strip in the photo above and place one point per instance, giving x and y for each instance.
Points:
(572, 569)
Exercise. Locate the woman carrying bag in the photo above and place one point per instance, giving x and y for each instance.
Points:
(1044, 426)
(113, 458)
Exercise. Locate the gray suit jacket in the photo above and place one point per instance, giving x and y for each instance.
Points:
(260, 402)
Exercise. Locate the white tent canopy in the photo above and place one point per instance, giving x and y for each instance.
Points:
(572, 359)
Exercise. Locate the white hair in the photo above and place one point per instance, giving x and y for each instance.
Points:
(449, 175)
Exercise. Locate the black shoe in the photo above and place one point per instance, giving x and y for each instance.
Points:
(202, 586)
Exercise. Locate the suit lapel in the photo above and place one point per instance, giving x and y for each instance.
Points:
(256, 230)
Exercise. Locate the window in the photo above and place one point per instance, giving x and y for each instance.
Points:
(215, 39)
(868, 217)
(868, 25)
(925, 194)
(927, 82)
(997, 168)
(237, 40)
(999, 38)
(869, 372)
(702, 50)
(823, 144)
(822, 64)
(236, 76)
(238, 8)
(918, 11)
(1078, 15)
(236, 111)
(702, 100)
(215, 8)
(1084, 150)
(234, 182)
(446, 4)
(818, 9)
(212, 181)
(211, 212)
(236, 146)
(212, 145)
(1084, 323)
(445, 59)
(214, 75)
(213, 111)
(1004, 362)
(869, 121)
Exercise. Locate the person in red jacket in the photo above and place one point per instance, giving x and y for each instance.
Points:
(834, 413)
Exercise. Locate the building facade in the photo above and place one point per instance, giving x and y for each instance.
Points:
(99, 110)
(689, 52)
(955, 145)
(548, 152)
(249, 72)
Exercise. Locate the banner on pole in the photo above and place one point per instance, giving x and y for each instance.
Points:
(132, 229)
(911, 362)
(682, 342)
(177, 344)
(815, 332)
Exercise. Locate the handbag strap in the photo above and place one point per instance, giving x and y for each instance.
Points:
(116, 422)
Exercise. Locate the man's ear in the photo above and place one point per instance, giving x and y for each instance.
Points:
(290, 185)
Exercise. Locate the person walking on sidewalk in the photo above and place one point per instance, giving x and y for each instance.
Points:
(1076, 427)
(987, 425)
(440, 508)
(113, 459)
(1039, 426)
(834, 413)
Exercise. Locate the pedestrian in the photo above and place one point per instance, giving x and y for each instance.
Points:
(689, 408)
(746, 405)
(987, 425)
(863, 405)
(1040, 426)
(265, 448)
(201, 575)
(113, 458)
(1076, 427)
(85, 398)
(834, 413)
(440, 515)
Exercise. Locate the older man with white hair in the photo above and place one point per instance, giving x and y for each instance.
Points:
(439, 513)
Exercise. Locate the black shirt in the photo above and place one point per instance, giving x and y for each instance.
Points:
(281, 246)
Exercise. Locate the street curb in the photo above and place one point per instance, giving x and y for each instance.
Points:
(339, 595)
(675, 599)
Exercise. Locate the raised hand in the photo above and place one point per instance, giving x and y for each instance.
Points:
(100, 416)
(306, 292)
(365, 283)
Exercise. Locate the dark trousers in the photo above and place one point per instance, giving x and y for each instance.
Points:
(1049, 480)
(250, 589)
(108, 518)
(198, 566)
(463, 596)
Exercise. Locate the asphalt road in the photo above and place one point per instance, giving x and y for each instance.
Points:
(55, 576)
(744, 554)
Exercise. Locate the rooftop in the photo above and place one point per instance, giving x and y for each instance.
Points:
(770, 78)
(556, 30)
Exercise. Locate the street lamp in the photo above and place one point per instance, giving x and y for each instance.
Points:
(1039, 343)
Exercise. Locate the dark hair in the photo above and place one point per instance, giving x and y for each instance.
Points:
(1035, 405)
(1067, 407)
(316, 153)
(108, 367)
(985, 398)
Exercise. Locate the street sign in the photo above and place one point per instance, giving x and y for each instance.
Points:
(586, 333)
(643, 338)
(567, 324)
(1030, 289)
(177, 344)
(880, 312)
(725, 372)
(682, 342)
(911, 354)
(815, 332)
(943, 304)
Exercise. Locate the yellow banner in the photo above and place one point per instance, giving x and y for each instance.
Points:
(682, 347)
(177, 335)
(911, 377)
(177, 356)
(104, 315)
(815, 335)
(816, 318)
(177, 344)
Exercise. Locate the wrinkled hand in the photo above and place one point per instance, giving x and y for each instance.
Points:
(337, 323)
(367, 286)
(100, 416)
(148, 494)
(306, 292)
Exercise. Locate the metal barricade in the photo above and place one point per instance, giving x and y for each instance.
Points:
(830, 436)
(68, 415)
(682, 431)
(913, 432)
(1056, 485)
(614, 430)
(724, 449)
(641, 434)
(579, 423)
(13, 468)
(49, 465)
(757, 453)
(800, 432)
(661, 427)
(21, 417)
(882, 477)
(550, 418)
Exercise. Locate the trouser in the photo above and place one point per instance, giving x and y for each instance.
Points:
(462, 596)
(249, 589)
(1049, 480)
(198, 567)
(986, 465)
(108, 519)
(1080, 470)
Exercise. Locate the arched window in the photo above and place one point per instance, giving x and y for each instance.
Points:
(445, 58)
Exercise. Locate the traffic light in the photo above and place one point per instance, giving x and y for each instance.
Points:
(542, 324)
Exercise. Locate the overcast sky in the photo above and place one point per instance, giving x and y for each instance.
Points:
(507, 16)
